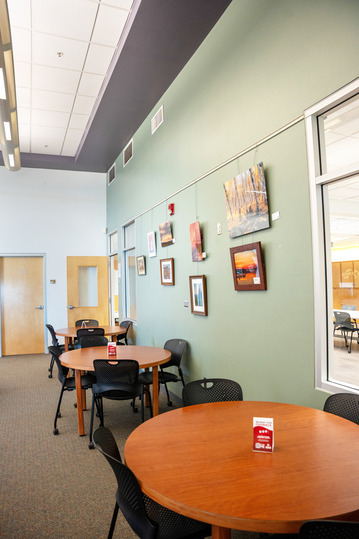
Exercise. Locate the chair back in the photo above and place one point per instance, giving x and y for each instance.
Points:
(177, 347)
(129, 496)
(329, 529)
(343, 320)
(87, 322)
(126, 324)
(344, 405)
(93, 340)
(54, 339)
(211, 390)
(119, 377)
(62, 373)
(89, 332)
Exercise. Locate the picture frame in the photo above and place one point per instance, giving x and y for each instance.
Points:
(198, 291)
(248, 267)
(151, 242)
(167, 271)
(166, 233)
(141, 265)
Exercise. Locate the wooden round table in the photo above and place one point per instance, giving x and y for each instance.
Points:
(71, 332)
(82, 360)
(198, 461)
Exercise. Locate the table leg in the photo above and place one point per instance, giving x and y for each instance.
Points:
(155, 390)
(67, 339)
(220, 533)
(80, 404)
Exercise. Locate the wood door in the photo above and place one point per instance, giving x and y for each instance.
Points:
(87, 288)
(22, 305)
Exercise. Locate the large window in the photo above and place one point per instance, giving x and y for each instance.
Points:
(333, 152)
(113, 277)
(129, 269)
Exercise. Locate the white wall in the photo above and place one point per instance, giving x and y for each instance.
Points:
(55, 213)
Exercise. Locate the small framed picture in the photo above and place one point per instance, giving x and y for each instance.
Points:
(198, 290)
(166, 233)
(141, 265)
(167, 271)
(248, 267)
(151, 241)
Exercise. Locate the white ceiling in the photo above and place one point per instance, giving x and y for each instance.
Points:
(62, 54)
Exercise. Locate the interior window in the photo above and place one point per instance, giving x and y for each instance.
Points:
(129, 265)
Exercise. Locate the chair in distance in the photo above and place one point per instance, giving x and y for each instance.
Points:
(84, 322)
(123, 337)
(115, 380)
(342, 322)
(147, 518)
(67, 382)
(86, 332)
(344, 405)
(93, 340)
(55, 342)
(177, 347)
(329, 529)
(211, 390)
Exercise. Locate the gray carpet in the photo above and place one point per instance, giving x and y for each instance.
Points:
(54, 486)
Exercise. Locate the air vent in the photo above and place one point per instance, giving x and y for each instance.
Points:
(128, 153)
(157, 120)
(111, 174)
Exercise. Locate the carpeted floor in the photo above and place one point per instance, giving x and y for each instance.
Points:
(54, 486)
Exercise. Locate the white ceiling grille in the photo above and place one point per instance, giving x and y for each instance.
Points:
(128, 153)
(111, 174)
(157, 120)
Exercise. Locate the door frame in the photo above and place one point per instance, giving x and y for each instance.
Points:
(30, 255)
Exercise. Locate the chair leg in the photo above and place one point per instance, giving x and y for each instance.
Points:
(143, 406)
(51, 366)
(169, 402)
(56, 430)
(350, 346)
(91, 444)
(113, 522)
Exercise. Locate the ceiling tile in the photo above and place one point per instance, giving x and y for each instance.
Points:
(46, 50)
(24, 115)
(50, 118)
(98, 59)
(23, 74)
(52, 147)
(51, 78)
(109, 25)
(90, 84)
(20, 13)
(48, 133)
(21, 44)
(23, 98)
(124, 4)
(79, 121)
(84, 104)
(52, 100)
(68, 18)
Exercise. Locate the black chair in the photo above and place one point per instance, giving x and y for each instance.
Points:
(67, 382)
(93, 340)
(88, 332)
(147, 518)
(329, 529)
(117, 379)
(211, 390)
(55, 342)
(123, 337)
(177, 347)
(344, 405)
(86, 322)
(342, 322)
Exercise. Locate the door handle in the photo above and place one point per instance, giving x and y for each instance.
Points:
(71, 307)
(40, 307)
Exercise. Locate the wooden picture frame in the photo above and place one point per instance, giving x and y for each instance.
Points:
(141, 265)
(248, 267)
(167, 271)
(198, 291)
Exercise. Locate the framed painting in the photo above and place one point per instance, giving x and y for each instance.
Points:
(141, 265)
(247, 202)
(247, 267)
(166, 233)
(198, 290)
(167, 271)
(196, 242)
(151, 242)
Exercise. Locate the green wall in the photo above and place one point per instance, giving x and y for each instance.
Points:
(263, 64)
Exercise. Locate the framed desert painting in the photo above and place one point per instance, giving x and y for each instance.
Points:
(198, 291)
(247, 267)
(167, 271)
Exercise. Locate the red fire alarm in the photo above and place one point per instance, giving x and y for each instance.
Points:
(171, 209)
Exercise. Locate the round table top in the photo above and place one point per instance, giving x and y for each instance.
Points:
(72, 331)
(204, 466)
(83, 358)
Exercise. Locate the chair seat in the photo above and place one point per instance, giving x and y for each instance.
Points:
(163, 376)
(87, 381)
(115, 392)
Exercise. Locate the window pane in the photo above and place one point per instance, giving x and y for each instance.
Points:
(130, 264)
(88, 295)
(113, 243)
(129, 236)
(343, 258)
(339, 134)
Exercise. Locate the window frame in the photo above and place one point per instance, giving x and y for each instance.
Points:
(321, 267)
(125, 280)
